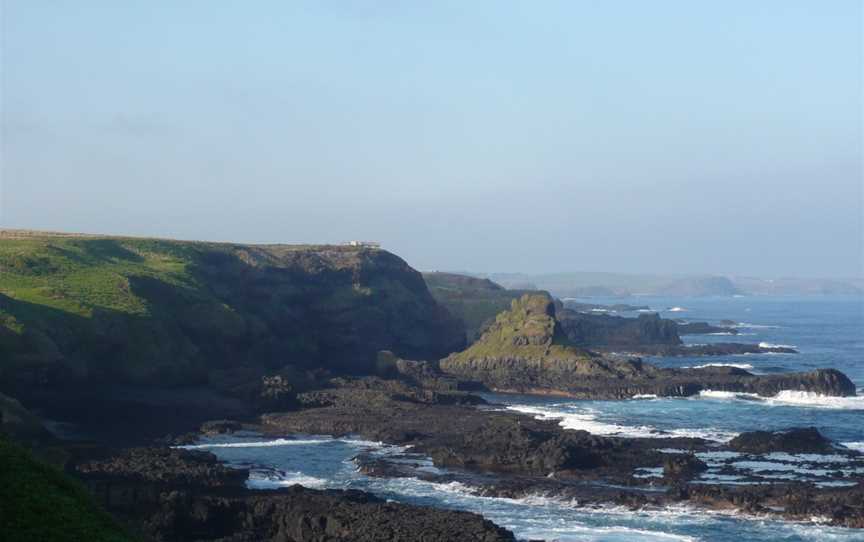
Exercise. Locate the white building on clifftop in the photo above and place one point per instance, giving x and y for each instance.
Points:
(364, 244)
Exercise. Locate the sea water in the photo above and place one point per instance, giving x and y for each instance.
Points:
(827, 331)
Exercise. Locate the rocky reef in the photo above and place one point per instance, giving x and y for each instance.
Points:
(529, 349)
(170, 494)
(497, 453)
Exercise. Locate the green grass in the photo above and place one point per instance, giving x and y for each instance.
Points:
(142, 311)
(39, 503)
(80, 275)
(523, 331)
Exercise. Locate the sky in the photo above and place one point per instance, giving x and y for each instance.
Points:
(630, 136)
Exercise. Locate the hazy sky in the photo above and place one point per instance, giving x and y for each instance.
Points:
(663, 136)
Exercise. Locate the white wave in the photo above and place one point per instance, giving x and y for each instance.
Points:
(706, 365)
(754, 326)
(719, 394)
(645, 396)
(589, 533)
(587, 421)
(717, 456)
(772, 345)
(816, 400)
(858, 446)
(806, 399)
(676, 309)
(836, 483)
(256, 444)
(278, 442)
(723, 333)
(272, 480)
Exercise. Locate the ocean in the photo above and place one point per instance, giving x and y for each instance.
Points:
(827, 331)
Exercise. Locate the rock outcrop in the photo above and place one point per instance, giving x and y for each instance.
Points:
(529, 350)
(591, 330)
(704, 328)
(170, 494)
(795, 441)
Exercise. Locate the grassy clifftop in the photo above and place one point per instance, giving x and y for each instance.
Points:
(161, 311)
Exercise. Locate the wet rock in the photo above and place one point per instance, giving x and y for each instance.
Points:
(795, 440)
(703, 328)
(184, 495)
(220, 427)
(165, 466)
(683, 466)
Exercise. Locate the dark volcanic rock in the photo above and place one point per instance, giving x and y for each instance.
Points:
(843, 506)
(795, 440)
(220, 427)
(703, 328)
(592, 330)
(683, 466)
(503, 444)
(298, 514)
(184, 495)
(171, 467)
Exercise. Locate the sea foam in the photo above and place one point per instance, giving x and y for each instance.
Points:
(805, 399)
(588, 421)
(707, 365)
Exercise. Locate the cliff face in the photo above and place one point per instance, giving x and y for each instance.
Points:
(616, 331)
(475, 301)
(140, 311)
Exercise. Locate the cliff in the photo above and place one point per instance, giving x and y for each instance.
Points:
(95, 310)
(615, 331)
(475, 301)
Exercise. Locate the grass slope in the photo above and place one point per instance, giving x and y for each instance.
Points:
(39, 503)
(149, 310)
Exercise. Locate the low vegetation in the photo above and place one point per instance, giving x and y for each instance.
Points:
(40, 503)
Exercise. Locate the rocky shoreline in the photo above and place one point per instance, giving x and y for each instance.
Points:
(284, 340)
(500, 453)
(166, 493)
(170, 494)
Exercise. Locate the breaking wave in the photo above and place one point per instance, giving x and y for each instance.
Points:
(707, 365)
(587, 421)
(772, 345)
(806, 399)
(277, 442)
(273, 480)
